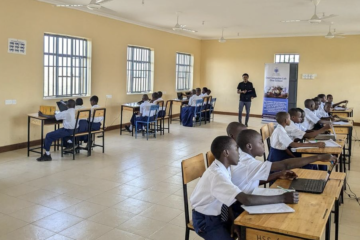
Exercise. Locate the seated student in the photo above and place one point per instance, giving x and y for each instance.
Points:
(160, 96)
(310, 118)
(301, 125)
(69, 123)
(280, 140)
(155, 100)
(249, 173)
(79, 104)
(330, 99)
(233, 130)
(323, 100)
(208, 92)
(204, 92)
(295, 132)
(143, 115)
(215, 191)
(187, 112)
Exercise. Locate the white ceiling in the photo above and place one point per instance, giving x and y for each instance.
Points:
(240, 18)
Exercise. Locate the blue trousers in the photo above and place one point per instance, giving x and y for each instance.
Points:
(187, 114)
(55, 135)
(134, 118)
(210, 227)
(247, 108)
(84, 126)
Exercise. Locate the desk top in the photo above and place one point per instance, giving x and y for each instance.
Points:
(178, 100)
(349, 124)
(36, 115)
(131, 105)
(331, 150)
(308, 221)
(348, 110)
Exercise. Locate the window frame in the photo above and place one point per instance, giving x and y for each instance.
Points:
(284, 55)
(83, 72)
(130, 72)
(190, 72)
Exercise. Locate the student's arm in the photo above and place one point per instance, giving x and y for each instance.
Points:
(292, 163)
(324, 122)
(251, 200)
(297, 144)
(337, 104)
(284, 174)
(314, 133)
(46, 116)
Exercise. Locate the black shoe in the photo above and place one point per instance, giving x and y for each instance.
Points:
(44, 158)
(127, 128)
(69, 147)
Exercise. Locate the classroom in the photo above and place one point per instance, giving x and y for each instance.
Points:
(120, 178)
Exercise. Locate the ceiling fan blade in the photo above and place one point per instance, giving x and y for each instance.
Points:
(102, 1)
(292, 21)
(93, 2)
(107, 11)
(182, 25)
(69, 5)
(326, 17)
(188, 30)
(339, 36)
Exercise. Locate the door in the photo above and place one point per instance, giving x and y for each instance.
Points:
(293, 86)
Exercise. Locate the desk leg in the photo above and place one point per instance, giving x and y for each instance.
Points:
(132, 130)
(328, 228)
(42, 138)
(121, 115)
(170, 111)
(28, 142)
(180, 113)
(350, 145)
(55, 142)
(337, 219)
(242, 232)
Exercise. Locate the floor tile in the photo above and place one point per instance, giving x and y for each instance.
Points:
(58, 221)
(84, 209)
(86, 230)
(29, 232)
(142, 226)
(111, 217)
(119, 234)
(60, 202)
(8, 224)
(133, 205)
(33, 213)
(151, 196)
(161, 213)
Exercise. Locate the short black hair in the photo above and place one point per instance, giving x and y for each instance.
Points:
(293, 111)
(205, 89)
(220, 144)
(321, 95)
(79, 101)
(232, 126)
(316, 99)
(308, 102)
(245, 137)
(155, 95)
(198, 89)
(71, 103)
(160, 94)
(329, 95)
(281, 117)
(300, 110)
(245, 74)
(193, 91)
(94, 99)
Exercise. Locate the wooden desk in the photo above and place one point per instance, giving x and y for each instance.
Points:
(346, 129)
(311, 217)
(334, 188)
(338, 151)
(134, 107)
(33, 118)
(181, 103)
(349, 112)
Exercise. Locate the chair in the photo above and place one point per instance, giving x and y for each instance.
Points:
(160, 117)
(265, 135)
(97, 112)
(150, 119)
(271, 128)
(212, 107)
(198, 110)
(206, 108)
(209, 158)
(167, 116)
(191, 169)
(80, 115)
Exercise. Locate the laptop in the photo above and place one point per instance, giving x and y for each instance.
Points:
(311, 185)
(62, 105)
(180, 95)
(327, 136)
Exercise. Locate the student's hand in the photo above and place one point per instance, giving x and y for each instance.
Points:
(327, 126)
(320, 144)
(288, 175)
(291, 197)
(40, 114)
(244, 91)
(235, 229)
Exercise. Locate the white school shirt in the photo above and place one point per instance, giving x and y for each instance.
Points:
(77, 107)
(294, 132)
(280, 139)
(213, 190)
(204, 95)
(249, 172)
(145, 109)
(300, 126)
(310, 119)
(68, 117)
(158, 100)
(192, 100)
(321, 113)
(96, 119)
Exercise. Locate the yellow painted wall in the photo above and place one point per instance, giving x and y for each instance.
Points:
(335, 61)
(21, 77)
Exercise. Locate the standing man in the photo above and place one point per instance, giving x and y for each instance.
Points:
(247, 92)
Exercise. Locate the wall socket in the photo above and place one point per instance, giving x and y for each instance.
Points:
(108, 96)
(9, 102)
(309, 76)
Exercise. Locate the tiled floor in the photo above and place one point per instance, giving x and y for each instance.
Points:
(133, 191)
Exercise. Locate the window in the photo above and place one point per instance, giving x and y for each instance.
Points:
(287, 58)
(66, 66)
(139, 70)
(183, 72)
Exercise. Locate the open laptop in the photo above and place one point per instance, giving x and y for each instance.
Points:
(311, 185)
(331, 136)
(62, 105)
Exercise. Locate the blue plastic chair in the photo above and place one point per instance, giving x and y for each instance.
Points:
(212, 107)
(198, 109)
(152, 119)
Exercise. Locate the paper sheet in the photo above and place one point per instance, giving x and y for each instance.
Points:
(269, 208)
(340, 123)
(268, 191)
(328, 143)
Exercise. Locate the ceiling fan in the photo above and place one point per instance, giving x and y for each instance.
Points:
(331, 35)
(94, 4)
(315, 18)
(180, 27)
(222, 39)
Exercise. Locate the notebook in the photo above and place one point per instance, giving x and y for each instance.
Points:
(268, 208)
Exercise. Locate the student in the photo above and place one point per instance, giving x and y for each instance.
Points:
(69, 123)
(280, 140)
(215, 189)
(295, 132)
(233, 130)
(301, 125)
(78, 104)
(160, 96)
(209, 92)
(143, 116)
(330, 99)
(194, 97)
(155, 100)
(322, 99)
(187, 112)
(249, 173)
(204, 92)
(310, 118)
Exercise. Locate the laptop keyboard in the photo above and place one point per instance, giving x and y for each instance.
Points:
(314, 185)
